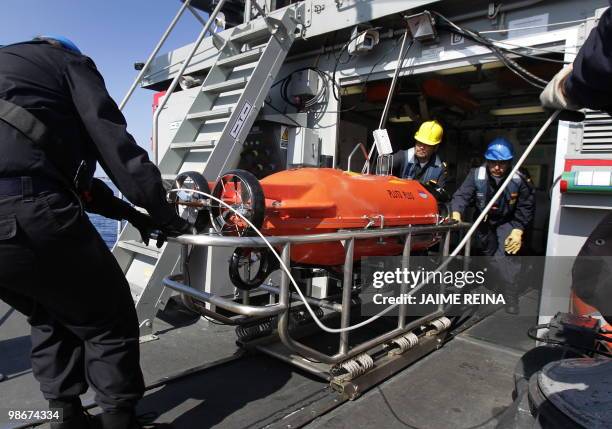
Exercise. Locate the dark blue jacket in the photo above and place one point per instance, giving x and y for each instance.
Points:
(590, 83)
(65, 91)
(406, 166)
(516, 205)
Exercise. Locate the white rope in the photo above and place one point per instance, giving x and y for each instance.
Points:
(452, 256)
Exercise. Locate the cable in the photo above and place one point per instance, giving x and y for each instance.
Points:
(534, 336)
(346, 45)
(499, 52)
(442, 266)
(564, 49)
(269, 103)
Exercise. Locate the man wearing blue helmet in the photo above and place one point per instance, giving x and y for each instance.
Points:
(501, 233)
(57, 121)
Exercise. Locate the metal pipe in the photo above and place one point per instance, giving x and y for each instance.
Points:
(185, 261)
(176, 79)
(383, 118)
(221, 241)
(445, 252)
(246, 297)
(247, 11)
(154, 54)
(400, 59)
(401, 320)
(322, 303)
(365, 154)
(197, 15)
(363, 347)
(283, 319)
(173, 283)
(467, 254)
(347, 287)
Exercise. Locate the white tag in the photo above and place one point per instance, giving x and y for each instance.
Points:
(601, 178)
(584, 178)
(482, 173)
(383, 144)
(526, 26)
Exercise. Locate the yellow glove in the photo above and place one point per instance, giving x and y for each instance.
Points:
(514, 241)
(456, 216)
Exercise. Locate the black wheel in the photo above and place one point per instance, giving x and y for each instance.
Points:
(241, 191)
(440, 194)
(191, 205)
(249, 267)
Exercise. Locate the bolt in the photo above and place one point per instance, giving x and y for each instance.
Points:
(148, 324)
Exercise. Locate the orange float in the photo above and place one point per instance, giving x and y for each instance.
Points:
(312, 201)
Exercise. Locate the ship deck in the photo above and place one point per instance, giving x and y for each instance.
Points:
(198, 377)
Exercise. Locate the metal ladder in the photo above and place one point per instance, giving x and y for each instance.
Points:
(209, 139)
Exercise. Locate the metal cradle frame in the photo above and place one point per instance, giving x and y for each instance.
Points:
(350, 370)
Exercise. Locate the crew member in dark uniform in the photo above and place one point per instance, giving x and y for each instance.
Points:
(56, 121)
(501, 233)
(421, 162)
(588, 83)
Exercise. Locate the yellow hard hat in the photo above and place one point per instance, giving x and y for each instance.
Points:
(430, 133)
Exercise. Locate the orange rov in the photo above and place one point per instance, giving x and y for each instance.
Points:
(316, 201)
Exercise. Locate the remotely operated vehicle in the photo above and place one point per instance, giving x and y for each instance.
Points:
(309, 201)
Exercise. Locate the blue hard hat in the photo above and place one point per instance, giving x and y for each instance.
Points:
(499, 149)
(64, 41)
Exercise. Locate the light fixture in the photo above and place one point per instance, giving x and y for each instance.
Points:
(422, 26)
(515, 111)
(471, 68)
(352, 90)
(400, 119)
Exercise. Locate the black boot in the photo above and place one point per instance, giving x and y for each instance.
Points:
(120, 419)
(73, 414)
(512, 304)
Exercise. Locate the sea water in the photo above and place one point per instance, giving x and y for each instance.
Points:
(106, 227)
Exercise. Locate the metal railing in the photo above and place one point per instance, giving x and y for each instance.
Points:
(163, 39)
(177, 78)
(281, 308)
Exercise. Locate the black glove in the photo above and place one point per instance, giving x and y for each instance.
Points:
(143, 223)
(177, 226)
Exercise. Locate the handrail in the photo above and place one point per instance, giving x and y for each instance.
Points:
(179, 75)
(225, 241)
(154, 54)
(173, 282)
(365, 154)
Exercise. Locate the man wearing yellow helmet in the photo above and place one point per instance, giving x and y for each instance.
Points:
(421, 162)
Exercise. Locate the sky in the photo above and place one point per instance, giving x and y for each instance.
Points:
(114, 33)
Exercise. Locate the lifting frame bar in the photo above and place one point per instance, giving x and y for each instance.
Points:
(281, 309)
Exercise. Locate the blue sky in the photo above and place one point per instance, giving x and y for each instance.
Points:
(115, 34)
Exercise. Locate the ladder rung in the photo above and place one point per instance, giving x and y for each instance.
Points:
(242, 58)
(194, 145)
(223, 112)
(141, 248)
(136, 291)
(258, 31)
(226, 86)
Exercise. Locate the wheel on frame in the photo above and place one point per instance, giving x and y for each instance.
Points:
(191, 206)
(249, 267)
(242, 191)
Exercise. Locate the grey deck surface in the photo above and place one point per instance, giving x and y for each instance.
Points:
(468, 383)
